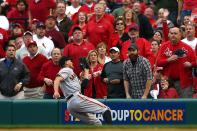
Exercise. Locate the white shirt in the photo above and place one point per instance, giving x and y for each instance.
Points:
(70, 10)
(46, 43)
(22, 52)
(4, 22)
(192, 43)
(107, 59)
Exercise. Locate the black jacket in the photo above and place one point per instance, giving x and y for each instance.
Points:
(10, 76)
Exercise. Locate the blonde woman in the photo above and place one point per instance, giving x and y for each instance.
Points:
(102, 53)
(130, 18)
(96, 87)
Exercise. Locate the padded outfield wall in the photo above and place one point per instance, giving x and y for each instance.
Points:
(124, 112)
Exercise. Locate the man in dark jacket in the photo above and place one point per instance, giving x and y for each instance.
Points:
(146, 30)
(13, 75)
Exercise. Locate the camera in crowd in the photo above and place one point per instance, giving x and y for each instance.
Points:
(179, 52)
(83, 63)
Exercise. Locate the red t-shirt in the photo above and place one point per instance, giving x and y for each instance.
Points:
(76, 51)
(100, 31)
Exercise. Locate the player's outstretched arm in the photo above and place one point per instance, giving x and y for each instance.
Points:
(57, 81)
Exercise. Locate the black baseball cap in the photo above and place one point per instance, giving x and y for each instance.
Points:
(63, 59)
(40, 25)
(76, 28)
(133, 46)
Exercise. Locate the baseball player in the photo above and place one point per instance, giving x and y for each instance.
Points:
(80, 106)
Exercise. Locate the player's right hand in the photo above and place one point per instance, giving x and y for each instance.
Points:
(56, 95)
(128, 96)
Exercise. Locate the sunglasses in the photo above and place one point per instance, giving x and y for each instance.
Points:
(119, 23)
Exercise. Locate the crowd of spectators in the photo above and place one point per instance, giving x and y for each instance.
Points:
(134, 49)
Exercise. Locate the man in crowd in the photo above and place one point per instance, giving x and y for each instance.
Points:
(137, 74)
(13, 76)
(48, 73)
(34, 62)
(22, 51)
(78, 48)
(52, 33)
(63, 22)
(177, 60)
(41, 39)
(99, 29)
(112, 75)
(143, 45)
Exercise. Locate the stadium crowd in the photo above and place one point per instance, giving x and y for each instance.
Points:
(134, 49)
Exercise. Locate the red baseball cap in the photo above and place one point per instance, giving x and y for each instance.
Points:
(133, 27)
(31, 43)
(35, 21)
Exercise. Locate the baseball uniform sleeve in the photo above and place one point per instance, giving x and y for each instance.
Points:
(64, 73)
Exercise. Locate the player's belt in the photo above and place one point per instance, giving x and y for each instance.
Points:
(70, 96)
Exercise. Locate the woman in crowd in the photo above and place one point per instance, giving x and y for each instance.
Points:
(130, 18)
(102, 53)
(20, 14)
(119, 36)
(167, 88)
(81, 22)
(158, 36)
(96, 87)
(155, 47)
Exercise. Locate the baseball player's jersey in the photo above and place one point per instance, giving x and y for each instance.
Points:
(71, 83)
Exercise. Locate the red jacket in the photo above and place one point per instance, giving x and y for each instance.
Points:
(12, 4)
(3, 39)
(168, 93)
(49, 70)
(76, 51)
(34, 65)
(114, 40)
(143, 50)
(100, 86)
(40, 10)
(86, 9)
(57, 38)
(100, 31)
(16, 14)
(175, 69)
